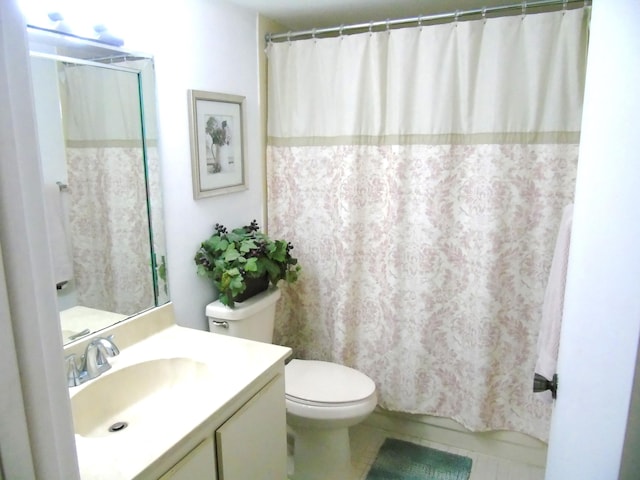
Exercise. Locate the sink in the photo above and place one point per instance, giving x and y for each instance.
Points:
(155, 395)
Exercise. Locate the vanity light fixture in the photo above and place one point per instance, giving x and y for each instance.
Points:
(78, 20)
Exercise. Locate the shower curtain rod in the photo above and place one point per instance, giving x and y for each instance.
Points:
(455, 15)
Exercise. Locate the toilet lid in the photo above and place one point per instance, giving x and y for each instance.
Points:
(326, 382)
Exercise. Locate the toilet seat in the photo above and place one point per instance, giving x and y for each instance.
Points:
(326, 384)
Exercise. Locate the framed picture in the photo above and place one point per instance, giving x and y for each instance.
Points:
(216, 122)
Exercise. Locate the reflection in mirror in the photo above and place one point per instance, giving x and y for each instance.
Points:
(95, 110)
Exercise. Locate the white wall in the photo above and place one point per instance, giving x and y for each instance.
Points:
(602, 303)
(204, 45)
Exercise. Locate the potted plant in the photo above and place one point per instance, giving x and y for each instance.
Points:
(244, 262)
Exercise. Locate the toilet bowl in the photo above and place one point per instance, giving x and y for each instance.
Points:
(323, 399)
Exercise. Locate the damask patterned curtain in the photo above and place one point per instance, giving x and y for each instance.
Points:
(421, 174)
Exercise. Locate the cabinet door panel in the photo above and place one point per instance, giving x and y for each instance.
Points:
(199, 463)
(252, 444)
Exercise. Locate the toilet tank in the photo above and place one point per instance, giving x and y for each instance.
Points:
(252, 319)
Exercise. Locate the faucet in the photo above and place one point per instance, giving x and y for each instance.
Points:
(94, 361)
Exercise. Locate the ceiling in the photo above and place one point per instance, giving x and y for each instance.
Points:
(308, 14)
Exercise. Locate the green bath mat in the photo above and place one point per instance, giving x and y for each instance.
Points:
(399, 460)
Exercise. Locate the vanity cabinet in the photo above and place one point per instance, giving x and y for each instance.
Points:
(200, 463)
(213, 407)
(251, 444)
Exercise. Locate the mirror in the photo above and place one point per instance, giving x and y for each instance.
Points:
(95, 112)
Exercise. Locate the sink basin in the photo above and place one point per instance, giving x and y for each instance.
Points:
(160, 393)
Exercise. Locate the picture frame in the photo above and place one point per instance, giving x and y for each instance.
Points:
(216, 126)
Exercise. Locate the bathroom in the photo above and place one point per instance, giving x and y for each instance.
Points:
(183, 41)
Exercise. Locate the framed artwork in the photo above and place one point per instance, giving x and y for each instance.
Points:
(216, 122)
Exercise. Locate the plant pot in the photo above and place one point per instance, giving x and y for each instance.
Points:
(253, 287)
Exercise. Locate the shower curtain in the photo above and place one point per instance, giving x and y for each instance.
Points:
(421, 175)
(109, 225)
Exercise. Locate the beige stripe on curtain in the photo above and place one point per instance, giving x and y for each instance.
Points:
(421, 175)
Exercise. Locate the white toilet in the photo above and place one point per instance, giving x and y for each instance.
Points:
(323, 399)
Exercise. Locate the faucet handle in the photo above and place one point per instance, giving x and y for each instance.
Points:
(74, 376)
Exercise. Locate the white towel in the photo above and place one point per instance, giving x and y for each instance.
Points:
(58, 241)
(549, 338)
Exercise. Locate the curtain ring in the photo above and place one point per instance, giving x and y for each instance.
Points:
(341, 31)
(484, 14)
(455, 17)
(269, 44)
(370, 28)
(564, 6)
(420, 22)
(289, 37)
(388, 29)
(313, 35)
(524, 9)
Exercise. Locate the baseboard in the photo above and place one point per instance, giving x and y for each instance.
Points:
(513, 446)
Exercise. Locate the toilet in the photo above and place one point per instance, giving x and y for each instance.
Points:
(323, 399)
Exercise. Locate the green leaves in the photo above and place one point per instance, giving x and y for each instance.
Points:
(247, 246)
(231, 254)
(279, 251)
(215, 244)
(251, 265)
(228, 258)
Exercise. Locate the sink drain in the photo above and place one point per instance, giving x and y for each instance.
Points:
(118, 426)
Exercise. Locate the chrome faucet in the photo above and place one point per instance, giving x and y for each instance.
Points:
(94, 361)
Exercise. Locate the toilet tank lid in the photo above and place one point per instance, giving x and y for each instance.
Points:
(245, 309)
(326, 382)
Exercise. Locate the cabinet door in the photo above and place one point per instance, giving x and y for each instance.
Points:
(200, 463)
(252, 444)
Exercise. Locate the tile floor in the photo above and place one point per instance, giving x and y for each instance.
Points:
(366, 440)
